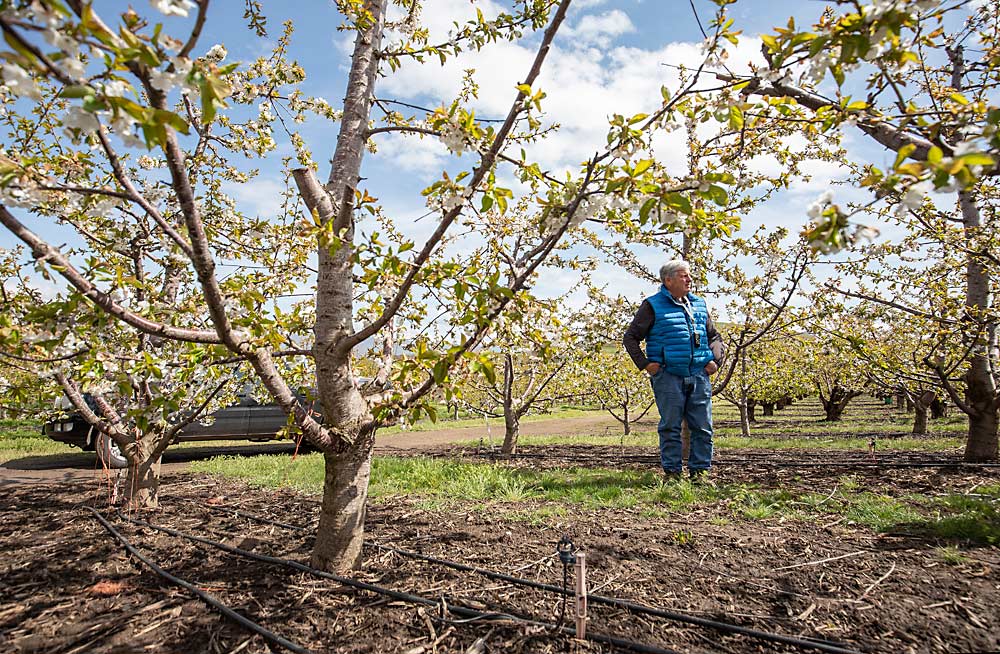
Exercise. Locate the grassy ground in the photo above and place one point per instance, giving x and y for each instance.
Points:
(539, 494)
(21, 438)
(799, 426)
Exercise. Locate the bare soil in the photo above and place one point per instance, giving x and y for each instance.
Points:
(67, 586)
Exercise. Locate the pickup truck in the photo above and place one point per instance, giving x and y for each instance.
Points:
(248, 420)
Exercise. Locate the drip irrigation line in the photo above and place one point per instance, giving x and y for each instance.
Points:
(761, 460)
(205, 597)
(821, 645)
(810, 643)
(410, 598)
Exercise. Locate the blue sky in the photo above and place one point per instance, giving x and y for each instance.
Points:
(609, 58)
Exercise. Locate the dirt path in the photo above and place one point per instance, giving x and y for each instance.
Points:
(593, 424)
(78, 466)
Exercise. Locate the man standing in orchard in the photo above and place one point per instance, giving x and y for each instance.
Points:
(682, 349)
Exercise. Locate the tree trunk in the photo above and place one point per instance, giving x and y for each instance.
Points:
(938, 409)
(833, 410)
(627, 422)
(348, 464)
(982, 392)
(511, 418)
(981, 445)
(511, 429)
(768, 409)
(920, 420)
(142, 482)
(744, 419)
(901, 401)
(342, 517)
(751, 410)
(834, 405)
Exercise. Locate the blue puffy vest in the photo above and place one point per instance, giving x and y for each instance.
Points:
(671, 341)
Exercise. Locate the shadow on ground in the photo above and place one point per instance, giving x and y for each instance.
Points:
(87, 460)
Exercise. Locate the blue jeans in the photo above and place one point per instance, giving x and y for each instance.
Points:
(678, 398)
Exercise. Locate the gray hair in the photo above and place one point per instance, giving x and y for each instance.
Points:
(672, 267)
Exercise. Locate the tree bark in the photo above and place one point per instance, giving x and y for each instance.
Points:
(511, 430)
(939, 409)
(834, 405)
(348, 463)
(142, 484)
(751, 410)
(981, 444)
(919, 419)
(511, 419)
(744, 419)
(768, 409)
(340, 534)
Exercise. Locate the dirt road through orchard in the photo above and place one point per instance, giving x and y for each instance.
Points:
(597, 423)
(77, 466)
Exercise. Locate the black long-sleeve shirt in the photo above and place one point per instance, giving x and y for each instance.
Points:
(639, 330)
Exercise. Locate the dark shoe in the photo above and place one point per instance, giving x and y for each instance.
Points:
(701, 478)
(672, 476)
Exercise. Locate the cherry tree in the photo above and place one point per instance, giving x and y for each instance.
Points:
(124, 130)
(905, 79)
(531, 350)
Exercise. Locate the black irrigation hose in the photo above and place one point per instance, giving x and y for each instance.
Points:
(824, 646)
(205, 597)
(408, 597)
(639, 458)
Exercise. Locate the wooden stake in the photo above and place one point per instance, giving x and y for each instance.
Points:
(581, 595)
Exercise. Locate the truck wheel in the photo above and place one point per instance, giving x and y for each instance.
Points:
(108, 452)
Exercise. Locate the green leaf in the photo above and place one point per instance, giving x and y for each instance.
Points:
(642, 167)
(838, 74)
(440, 371)
(903, 153)
(646, 208)
(934, 155)
(487, 369)
(718, 195)
(20, 49)
(76, 91)
(678, 202)
(736, 120)
(172, 119)
(977, 159)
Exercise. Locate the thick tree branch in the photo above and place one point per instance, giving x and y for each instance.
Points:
(45, 253)
(485, 165)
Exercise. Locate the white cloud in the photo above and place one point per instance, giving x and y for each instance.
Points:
(410, 153)
(261, 197)
(600, 29)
